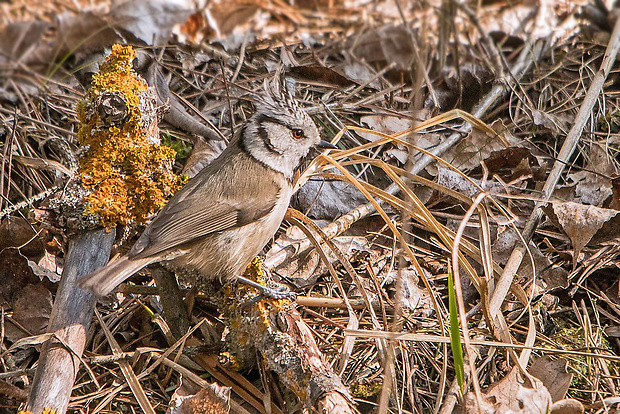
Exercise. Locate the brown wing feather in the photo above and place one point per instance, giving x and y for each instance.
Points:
(177, 229)
(207, 206)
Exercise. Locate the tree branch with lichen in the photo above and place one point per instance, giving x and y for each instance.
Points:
(127, 170)
(287, 347)
(124, 176)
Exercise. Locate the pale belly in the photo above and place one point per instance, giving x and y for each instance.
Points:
(225, 255)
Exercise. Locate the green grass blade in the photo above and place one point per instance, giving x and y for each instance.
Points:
(455, 335)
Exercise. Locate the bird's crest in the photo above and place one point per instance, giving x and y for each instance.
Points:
(278, 95)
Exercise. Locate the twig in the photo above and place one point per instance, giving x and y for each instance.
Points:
(29, 202)
(174, 309)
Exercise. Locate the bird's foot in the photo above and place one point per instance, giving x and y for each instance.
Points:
(266, 292)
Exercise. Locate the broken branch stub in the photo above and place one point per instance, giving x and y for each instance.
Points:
(124, 176)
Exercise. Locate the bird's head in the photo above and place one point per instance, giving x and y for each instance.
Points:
(280, 134)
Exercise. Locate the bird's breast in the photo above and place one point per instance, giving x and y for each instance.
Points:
(226, 254)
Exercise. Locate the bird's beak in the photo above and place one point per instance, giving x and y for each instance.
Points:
(326, 145)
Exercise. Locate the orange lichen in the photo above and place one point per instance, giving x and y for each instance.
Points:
(266, 306)
(45, 411)
(129, 173)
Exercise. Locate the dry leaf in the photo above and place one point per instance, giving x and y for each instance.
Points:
(150, 21)
(316, 73)
(554, 276)
(15, 273)
(599, 159)
(20, 38)
(558, 125)
(508, 158)
(11, 391)
(386, 124)
(471, 80)
(580, 222)
(567, 406)
(590, 188)
(455, 181)
(476, 147)
(50, 266)
(306, 267)
(327, 199)
(187, 399)
(388, 44)
(18, 232)
(414, 297)
(360, 74)
(32, 310)
(512, 395)
(75, 33)
(553, 374)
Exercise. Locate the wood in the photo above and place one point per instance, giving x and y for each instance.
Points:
(70, 319)
(286, 347)
(171, 297)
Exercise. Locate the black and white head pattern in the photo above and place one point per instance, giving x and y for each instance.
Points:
(280, 134)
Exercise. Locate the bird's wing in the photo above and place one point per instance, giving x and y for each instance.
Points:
(211, 203)
(194, 218)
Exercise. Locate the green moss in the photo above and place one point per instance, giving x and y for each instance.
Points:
(610, 122)
(571, 337)
(182, 148)
(366, 389)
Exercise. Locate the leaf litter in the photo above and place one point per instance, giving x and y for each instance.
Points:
(353, 64)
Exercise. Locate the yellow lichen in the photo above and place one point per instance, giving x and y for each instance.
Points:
(365, 389)
(266, 306)
(231, 361)
(45, 411)
(129, 174)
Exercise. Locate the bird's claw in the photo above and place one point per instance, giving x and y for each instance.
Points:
(278, 293)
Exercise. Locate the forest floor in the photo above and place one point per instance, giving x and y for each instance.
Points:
(468, 254)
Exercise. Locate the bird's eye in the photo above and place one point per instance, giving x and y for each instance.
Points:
(298, 133)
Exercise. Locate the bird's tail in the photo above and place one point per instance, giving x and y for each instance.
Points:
(104, 280)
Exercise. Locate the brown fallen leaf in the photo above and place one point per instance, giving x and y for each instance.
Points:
(386, 44)
(553, 374)
(590, 188)
(386, 124)
(15, 273)
(580, 222)
(554, 276)
(19, 233)
(31, 311)
(512, 394)
(316, 73)
(567, 406)
(18, 39)
(212, 399)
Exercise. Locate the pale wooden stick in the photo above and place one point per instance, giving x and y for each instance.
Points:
(70, 319)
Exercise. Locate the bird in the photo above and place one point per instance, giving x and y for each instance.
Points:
(224, 216)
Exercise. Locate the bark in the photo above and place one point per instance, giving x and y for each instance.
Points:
(286, 347)
(71, 315)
